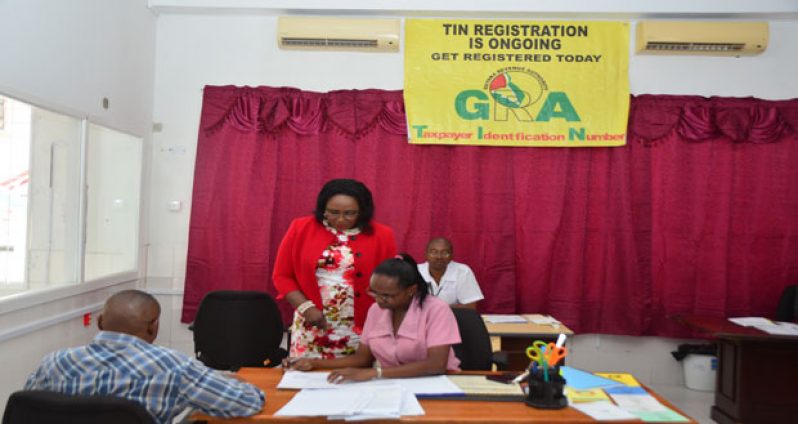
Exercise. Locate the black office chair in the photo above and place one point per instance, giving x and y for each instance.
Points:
(235, 329)
(44, 407)
(788, 304)
(474, 351)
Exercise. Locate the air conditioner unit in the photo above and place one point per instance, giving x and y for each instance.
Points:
(338, 34)
(702, 38)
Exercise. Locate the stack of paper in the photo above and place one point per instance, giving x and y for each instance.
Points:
(768, 326)
(543, 320)
(389, 401)
(780, 328)
(376, 399)
(504, 319)
(751, 321)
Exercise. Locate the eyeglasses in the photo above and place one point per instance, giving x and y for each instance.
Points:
(439, 253)
(333, 214)
(385, 297)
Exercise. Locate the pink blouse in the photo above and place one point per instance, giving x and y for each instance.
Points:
(429, 325)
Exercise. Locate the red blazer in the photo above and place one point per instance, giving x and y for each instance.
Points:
(299, 252)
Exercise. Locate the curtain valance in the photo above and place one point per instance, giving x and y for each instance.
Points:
(696, 119)
(352, 113)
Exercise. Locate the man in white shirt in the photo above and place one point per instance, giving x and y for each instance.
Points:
(451, 281)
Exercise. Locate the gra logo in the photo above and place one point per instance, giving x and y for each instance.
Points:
(515, 91)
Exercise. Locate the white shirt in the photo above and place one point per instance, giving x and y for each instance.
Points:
(458, 284)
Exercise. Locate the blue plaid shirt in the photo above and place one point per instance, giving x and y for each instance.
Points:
(163, 380)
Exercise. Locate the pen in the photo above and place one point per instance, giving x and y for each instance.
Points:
(287, 362)
(546, 371)
(532, 368)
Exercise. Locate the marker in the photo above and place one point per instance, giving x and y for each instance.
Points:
(561, 340)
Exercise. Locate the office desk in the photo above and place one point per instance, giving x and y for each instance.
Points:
(436, 411)
(757, 372)
(514, 338)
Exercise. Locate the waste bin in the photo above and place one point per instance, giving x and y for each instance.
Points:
(700, 365)
(700, 372)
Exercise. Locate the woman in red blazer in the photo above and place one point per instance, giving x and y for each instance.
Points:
(323, 268)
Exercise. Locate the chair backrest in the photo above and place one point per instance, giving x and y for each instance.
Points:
(44, 407)
(235, 329)
(788, 304)
(474, 351)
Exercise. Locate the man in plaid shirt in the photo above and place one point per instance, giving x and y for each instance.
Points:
(122, 361)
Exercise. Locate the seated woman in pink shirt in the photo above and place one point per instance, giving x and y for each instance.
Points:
(408, 333)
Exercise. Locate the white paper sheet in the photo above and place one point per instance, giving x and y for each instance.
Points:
(420, 386)
(780, 328)
(638, 403)
(543, 319)
(324, 402)
(305, 380)
(751, 321)
(603, 411)
(433, 386)
(504, 319)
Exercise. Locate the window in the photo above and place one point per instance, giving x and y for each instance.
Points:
(53, 199)
(112, 229)
(41, 215)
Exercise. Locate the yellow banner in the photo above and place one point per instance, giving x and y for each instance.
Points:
(516, 83)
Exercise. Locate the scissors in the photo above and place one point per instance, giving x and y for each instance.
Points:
(537, 352)
(554, 354)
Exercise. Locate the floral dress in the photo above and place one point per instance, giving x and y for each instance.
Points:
(334, 273)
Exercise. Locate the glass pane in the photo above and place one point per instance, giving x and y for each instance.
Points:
(14, 184)
(112, 215)
(39, 200)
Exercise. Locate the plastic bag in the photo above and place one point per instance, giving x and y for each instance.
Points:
(697, 349)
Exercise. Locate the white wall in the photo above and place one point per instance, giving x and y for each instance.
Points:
(72, 54)
(68, 56)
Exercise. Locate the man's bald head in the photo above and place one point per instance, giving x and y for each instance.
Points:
(443, 240)
(131, 312)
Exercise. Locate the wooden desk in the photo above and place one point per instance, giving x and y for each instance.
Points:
(514, 338)
(757, 372)
(436, 411)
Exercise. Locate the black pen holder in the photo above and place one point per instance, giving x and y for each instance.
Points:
(545, 394)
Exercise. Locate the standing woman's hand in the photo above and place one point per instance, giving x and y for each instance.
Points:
(314, 317)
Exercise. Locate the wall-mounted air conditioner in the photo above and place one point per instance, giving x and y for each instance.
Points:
(338, 34)
(702, 38)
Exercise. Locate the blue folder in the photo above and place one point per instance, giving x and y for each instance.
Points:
(582, 380)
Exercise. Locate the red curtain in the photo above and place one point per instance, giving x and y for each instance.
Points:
(696, 214)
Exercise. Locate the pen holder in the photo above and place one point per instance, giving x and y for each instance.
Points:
(546, 394)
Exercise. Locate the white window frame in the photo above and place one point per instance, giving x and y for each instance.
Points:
(29, 298)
